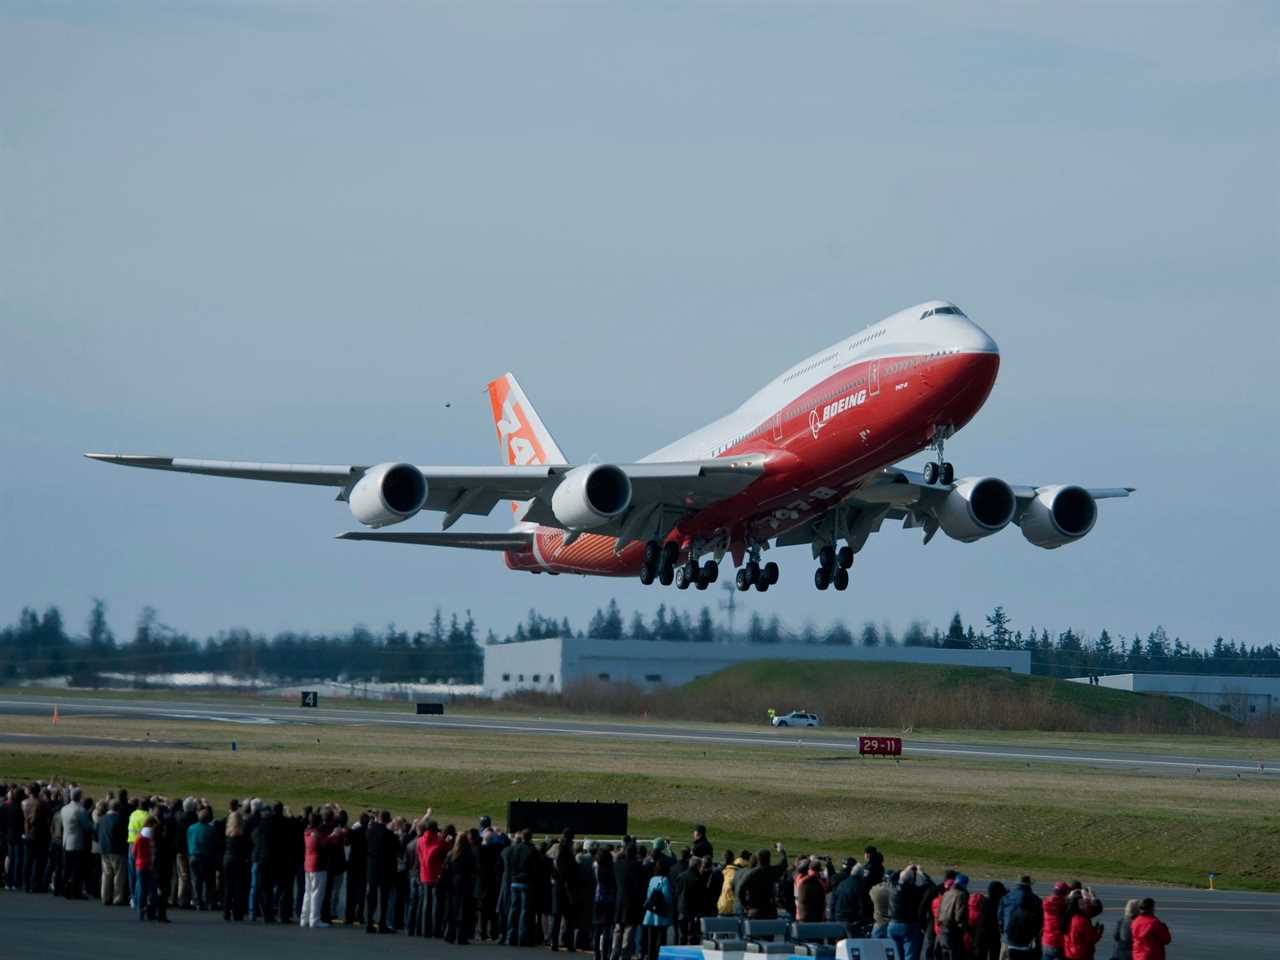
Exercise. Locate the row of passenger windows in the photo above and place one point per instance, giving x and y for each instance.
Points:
(811, 366)
(535, 678)
(867, 339)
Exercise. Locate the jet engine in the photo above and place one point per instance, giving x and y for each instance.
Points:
(387, 494)
(977, 507)
(1059, 514)
(590, 495)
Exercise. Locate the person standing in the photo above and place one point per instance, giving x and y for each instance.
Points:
(1123, 936)
(1021, 918)
(115, 876)
(460, 923)
(1150, 935)
(520, 866)
(563, 870)
(143, 862)
(701, 845)
(76, 826)
(137, 818)
(658, 909)
(200, 851)
(380, 873)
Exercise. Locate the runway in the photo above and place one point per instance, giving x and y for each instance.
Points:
(267, 714)
(1205, 924)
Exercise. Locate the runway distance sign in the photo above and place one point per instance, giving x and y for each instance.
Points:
(310, 698)
(880, 746)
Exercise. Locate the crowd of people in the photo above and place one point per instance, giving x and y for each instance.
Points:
(260, 861)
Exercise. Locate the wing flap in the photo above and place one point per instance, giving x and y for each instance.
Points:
(468, 541)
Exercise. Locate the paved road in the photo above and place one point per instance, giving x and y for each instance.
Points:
(266, 714)
(1221, 926)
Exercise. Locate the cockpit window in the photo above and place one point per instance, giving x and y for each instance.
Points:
(952, 311)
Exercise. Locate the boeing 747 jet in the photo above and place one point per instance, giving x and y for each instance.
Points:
(807, 460)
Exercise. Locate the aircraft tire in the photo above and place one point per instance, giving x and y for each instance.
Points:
(844, 557)
(743, 580)
(948, 474)
(711, 571)
(821, 579)
(841, 579)
(771, 572)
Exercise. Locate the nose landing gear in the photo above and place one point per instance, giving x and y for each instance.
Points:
(940, 471)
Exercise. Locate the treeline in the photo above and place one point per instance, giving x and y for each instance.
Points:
(38, 645)
(448, 650)
(1066, 653)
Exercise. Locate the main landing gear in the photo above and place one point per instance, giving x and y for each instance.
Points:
(660, 564)
(753, 573)
(940, 471)
(833, 567)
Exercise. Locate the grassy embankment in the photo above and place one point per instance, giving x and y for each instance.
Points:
(993, 818)
(894, 696)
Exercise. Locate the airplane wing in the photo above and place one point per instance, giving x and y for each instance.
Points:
(896, 493)
(677, 486)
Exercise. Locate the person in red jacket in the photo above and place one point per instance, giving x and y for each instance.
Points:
(144, 883)
(432, 849)
(315, 842)
(1082, 934)
(1055, 922)
(1150, 935)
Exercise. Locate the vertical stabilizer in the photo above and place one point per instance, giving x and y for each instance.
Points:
(523, 438)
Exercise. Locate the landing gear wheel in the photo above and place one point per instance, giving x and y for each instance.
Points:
(753, 571)
(948, 474)
(651, 553)
(821, 579)
(711, 571)
(682, 577)
(930, 473)
(703, 583)
(762, 584)
(771, 572)
(827, 557)
(841, 579)
(647, 574)
(844, 557)
(666, 574)
(743, 580)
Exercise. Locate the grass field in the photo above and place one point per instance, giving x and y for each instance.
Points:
(997, 818)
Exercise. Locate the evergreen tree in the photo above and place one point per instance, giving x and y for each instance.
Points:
(955, 638)
(99, 634)
(915, 635)
(612, 625)
(998, 621)
(870, 635)
(637, 630)
(838, 635)
(706, 630)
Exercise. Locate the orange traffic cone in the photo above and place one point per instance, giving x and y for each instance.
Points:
(55, 714)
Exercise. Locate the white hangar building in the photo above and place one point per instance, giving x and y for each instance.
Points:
(1241, 698)
(549, 665)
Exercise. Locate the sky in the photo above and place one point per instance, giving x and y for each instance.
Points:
(296, 232)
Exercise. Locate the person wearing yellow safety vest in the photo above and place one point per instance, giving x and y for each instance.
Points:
(137, 820)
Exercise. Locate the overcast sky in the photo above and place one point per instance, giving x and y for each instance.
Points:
(296, 231)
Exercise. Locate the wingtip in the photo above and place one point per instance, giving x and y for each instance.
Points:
(100, 456)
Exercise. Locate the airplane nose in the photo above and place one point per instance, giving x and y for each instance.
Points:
(971, 338)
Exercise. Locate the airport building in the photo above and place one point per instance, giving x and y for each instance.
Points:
(1241, 698)
(549, 665)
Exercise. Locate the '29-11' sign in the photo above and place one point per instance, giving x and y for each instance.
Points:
(880, 746)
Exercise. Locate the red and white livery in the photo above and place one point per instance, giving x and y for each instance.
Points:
(808, 459)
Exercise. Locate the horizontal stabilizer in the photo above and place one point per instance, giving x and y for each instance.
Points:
(469, 541)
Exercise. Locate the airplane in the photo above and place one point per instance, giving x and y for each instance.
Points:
(810, 459)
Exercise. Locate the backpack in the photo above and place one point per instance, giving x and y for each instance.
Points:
(1021, 928)
(656, 903)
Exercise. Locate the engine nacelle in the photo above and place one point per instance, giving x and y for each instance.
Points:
(1058, 515)
(977, 507)
(590, 495)
(387, 494)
